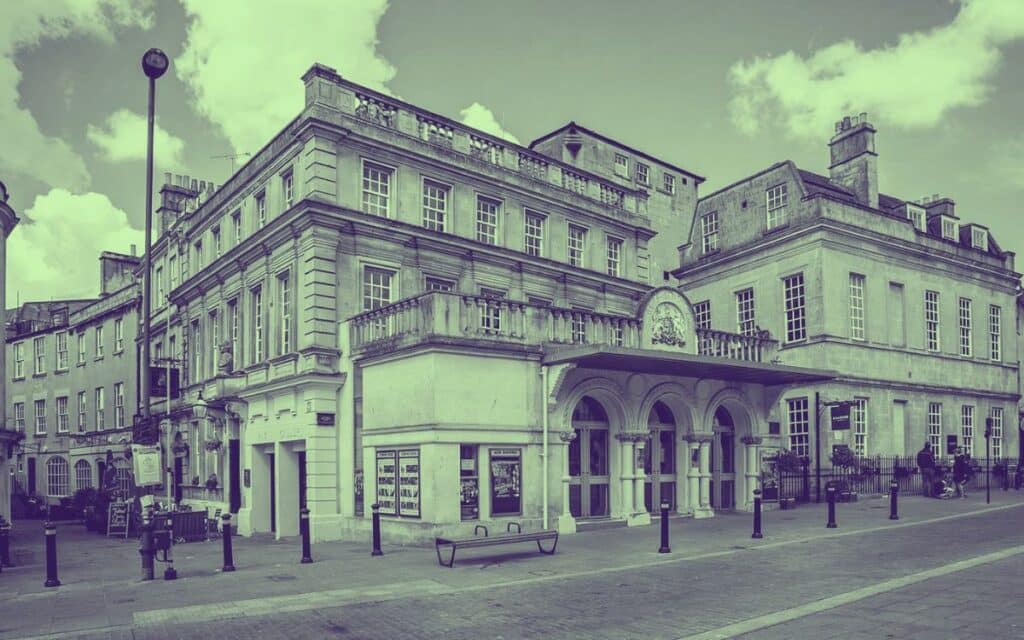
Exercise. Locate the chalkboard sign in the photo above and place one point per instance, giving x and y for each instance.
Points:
(117, 519)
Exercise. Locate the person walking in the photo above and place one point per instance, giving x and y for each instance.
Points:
(926, 463)
(960, 471)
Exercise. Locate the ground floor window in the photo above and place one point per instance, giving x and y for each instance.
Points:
(83, 474)
(57, 477)
(469, 478)
(799, 423)
(398, 482)
(123, 475)
(506, 482)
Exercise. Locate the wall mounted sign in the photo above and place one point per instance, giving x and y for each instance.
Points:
(247, 479)
(386, 463)
(325, 419)
(146, 465)
(840, 417)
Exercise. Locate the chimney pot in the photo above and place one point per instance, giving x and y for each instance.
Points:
(846, 122)
(195, 184)
(133, 250)
(167, 178)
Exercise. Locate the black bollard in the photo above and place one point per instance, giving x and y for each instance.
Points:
(146, 549)
(757, 515)
(664, 548)
(893, 490)
(229, 561)
(376, 530)
(50, 530)
(169, 572)
(304, 532)
(830, 496)
(5, 543)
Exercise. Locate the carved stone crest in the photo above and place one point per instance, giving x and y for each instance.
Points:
(669, 326)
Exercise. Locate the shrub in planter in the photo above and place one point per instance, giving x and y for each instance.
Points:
(83, 498)
(788, 461)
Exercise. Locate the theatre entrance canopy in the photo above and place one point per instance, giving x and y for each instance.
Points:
(610, 415)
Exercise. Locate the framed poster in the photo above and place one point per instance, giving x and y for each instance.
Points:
(469, 482)
(769, 476)
(506, 482)
(386, 476)
(409, 483)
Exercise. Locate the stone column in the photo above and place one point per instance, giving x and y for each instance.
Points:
(626, 475)
(751, 469)
(699, 476)
(640, 511)
(705, 474)
(566, 521)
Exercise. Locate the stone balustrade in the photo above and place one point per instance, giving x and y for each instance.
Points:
(437, 315)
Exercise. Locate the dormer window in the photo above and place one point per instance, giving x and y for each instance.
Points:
(916, 216)
(642, 172)
(979, 238)
(949, 229)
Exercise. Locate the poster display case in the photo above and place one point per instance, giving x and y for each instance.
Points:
(506, 482)
(398, 482)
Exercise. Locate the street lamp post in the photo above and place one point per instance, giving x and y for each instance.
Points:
(988, 452)
(154, 65)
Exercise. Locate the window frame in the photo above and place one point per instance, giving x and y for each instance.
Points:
(83, 409)
(19, 360)
(795, 314)
(98, 341)
(62, 418)
(613, 255)
(967, 428)
(934, 426)
(581, 236)
(642, 173)
(236, 227)
(859, 426)
(995, 333)
(668, 183)
(285, 299)
(288, 188)
(439, 224)
(99, 408)
(996, 439)
(260, 202)
(433, 283)
(621, 168)
(966, 313)
(57, 477)
(528, 215)
(481, 224)
(19, 417)
(746, 312)
(857, 315)
(258, 336)
(776, 201)
(118, 335)
(39, 355)
(386, 196)
(39, 416)
(700, 310)
(932, 318)
(709, 229)
(799, 441)
(119, 421)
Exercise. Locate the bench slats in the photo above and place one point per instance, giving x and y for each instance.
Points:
(486, 541)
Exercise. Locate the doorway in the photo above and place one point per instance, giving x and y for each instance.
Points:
(589, 471)
(723, 462)
(235, 475)
(179, 473)
(32, 476)
(273, 493)
(660, 460)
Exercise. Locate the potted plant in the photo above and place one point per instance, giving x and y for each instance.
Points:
(844, 458)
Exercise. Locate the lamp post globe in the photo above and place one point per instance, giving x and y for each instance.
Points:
(154, 63)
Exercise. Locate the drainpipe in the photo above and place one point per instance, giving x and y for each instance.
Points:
(544, 454)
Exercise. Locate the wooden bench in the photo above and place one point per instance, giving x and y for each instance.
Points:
(488, 541)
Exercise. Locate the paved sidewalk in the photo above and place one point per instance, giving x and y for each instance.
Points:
(101, 589)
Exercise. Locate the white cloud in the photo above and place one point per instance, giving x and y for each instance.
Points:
(54, 250)
(912, 84)
(24, 25)
(480, 117)
(244, 67)
(123, 137)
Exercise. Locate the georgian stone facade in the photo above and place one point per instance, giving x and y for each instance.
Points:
(414, 313)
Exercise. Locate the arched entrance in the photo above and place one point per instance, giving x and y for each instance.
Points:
(723, 461)
(589, 471)
(660, 459)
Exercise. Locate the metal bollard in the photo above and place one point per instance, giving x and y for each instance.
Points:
(894, 488)
(5, 543)
(146, 549)
(664, 548)
(376, 530)
(229, 561)
(169, 572)
(830, 496)
(50, 530)
(757, 515)
(304, 532)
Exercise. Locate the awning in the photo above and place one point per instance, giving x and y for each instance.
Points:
(684, 364)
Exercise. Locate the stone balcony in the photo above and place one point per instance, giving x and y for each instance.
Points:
(441, 317)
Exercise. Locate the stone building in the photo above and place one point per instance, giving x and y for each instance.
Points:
(71, 387)
(910, 304)
(9, 437)
(386, 306)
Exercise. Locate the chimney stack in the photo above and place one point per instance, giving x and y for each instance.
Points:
(854, 161)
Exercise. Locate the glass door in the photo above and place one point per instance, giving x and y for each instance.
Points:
(660, 460)
(589, 471)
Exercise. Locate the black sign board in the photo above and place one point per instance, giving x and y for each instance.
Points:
(840, 417)
(117, 519)
(325, 419)
(158, 382)
(950, 444)
(774, 428)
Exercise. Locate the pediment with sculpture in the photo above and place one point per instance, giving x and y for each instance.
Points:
(667, 321)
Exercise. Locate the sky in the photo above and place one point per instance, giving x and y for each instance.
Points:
(721, 88)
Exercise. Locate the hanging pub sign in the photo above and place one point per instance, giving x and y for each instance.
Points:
(146, 465)
(409, 483)
(506, 482)
(841, 417)
(158, 383)
(386, 467)
(950, 444)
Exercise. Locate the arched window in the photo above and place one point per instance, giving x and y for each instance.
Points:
(123, 475)
(57, 477)
(83, 474)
